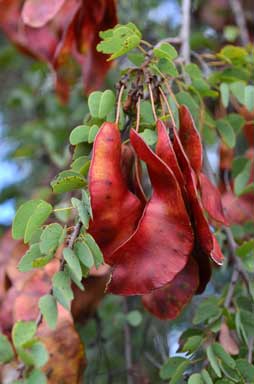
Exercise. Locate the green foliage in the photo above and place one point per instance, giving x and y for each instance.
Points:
(119, 40)
(48, 308)
(62, 291)
(6, 351)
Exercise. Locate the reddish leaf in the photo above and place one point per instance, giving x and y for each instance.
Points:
(202, 230)
(238, 210)
(190, 139)
(37, 13)
(165, 151)
(116, 210)
(211, 199)
(204, 266)
(169, 301)
(163, 240)
(216, 253)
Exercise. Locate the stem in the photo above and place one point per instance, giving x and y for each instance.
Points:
(39, 318)
(240, 20)
(118, 108)
(138, 114)
(152, 102)
(168, 106)
(185, 30)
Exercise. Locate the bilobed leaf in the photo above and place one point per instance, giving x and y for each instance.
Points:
(36, 377)
(249, 97)
(92, 133)
(246, 369)
(21, 218)
(213, 361)
(222, 355)
(94, 248)
(6, 351)
(196, 378)
(51, 237)
(238, 90)
(84, 254)
(226, 132)
(242, 179)
(68, 183)
(192, 343)
(149, 136)
(206, 377)
(119, 40)
(33, 253)
(207, 310)
(73, 262)
(79, 134)
(37, 218)
(82, 211)
(62, 289)
(165, 51)
(169, 367)
(94, 103)
(48, 308)
(224, 91)
(107, 103)
(22, 332)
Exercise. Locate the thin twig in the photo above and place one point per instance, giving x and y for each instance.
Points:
(168, 107)
(118, 108)
(152, 102)
(185, 30)
(240, 20)
(39, 319)
(127, 346)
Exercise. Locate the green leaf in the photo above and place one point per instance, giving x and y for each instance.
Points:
(84, 254)
(146, 113)
(94, 103)
(206, 377)
(21, 218)
(233, 53)
(37, 218)
(245, 248)
(73, 263)
(48, 308)
(36, 355)
(134, 318)
(230, 32)
(224, 90)
(178, 374)
(68, 183)
(94, 248)
(192, 343)
(249, 97)
(40, 262)
(107, 103)
(238, 165)
(236, 121)
(246, 369)
(149, 136)
(62, 289)
(226, 132)
(207, 310)
(165, 51)
(242, 179)
(213, 361)
(196, 378)
(238, 90)
(36, 377)
(22, 332)
(79, 163)
(26, 262)
(193, 71)
(79, 134)
(222, 355)
(169, 367)
(92, 133)
(51, 237)
(167, 67)
(82, 211)
(6, 351)
(119, 40)
(136, 58)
